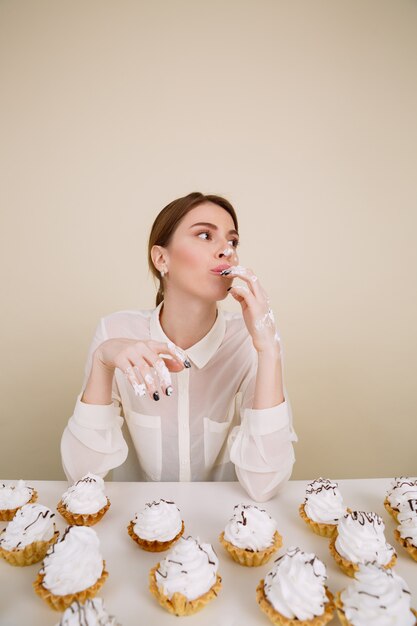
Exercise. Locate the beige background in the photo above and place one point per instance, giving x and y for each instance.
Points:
(303, 114)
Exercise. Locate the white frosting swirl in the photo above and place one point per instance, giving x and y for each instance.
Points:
(92, 613)
(361, 538)
(250, 528)
(324, 502)
(402, 489)
(86, 495)
(377, 597)
(190, 568)
(295, 586)
(13, 496)
(159, 521)
(32, 522)
(73, 563)
(407, 521)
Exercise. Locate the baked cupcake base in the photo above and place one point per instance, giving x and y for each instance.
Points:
(152, 546)
(32, 553)
(411, 549)
(348, 567)
(280, 620)
(251, 558)
(341, 613)
(179, 604)
(391, 510)
(320, 528)
(60, 603)
(6, 515)
(81, 519)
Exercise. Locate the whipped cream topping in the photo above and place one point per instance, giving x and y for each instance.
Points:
(324, 502)
(32, 522)
(295, 586)
(377, 597)
(159, 521)
(250, 528)
(92, 613)
(407, 521)
(73, 563)
(361, 538)
(13, 496)
(86, 495)
(190, 568)
(402, 489)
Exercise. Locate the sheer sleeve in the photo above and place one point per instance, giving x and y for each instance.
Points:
(92, 440)
(261, 446)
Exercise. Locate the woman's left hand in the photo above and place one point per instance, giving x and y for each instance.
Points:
(256, 310)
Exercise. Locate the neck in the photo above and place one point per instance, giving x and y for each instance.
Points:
(186, 320)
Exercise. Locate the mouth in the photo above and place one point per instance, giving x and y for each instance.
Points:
(220, 268)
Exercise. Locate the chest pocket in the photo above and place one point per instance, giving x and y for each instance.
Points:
(146, 434)
(215, 435)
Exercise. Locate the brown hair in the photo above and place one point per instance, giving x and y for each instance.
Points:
(168, 220)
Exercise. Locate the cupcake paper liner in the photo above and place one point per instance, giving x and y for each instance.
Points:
(391, 510)
(6, 515)
(406, 543)
(341, 613)
(179, 604)
(280, 620)
(152, 546)
(32, 553)
(320, 528)
(348, 567)
(60, 603)
(251, 558)
(81, 519)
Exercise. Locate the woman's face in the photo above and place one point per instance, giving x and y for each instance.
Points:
(205, 238)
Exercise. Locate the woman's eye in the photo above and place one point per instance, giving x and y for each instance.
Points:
(205, 233)
(235, 242)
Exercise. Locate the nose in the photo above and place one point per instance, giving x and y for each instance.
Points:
(228, 252)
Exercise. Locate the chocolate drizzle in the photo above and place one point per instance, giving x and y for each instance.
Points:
(362, 517)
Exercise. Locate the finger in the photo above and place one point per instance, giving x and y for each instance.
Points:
(171, 353)
(150, 381)
(130, 372)
(160, 368)
(242, 293)
(247, 275)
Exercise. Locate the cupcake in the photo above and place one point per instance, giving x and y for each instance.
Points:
(402, 489)
(250, 537)
(359, 539)
(29, 535)
(85, 503)
(187, 578)
(157, 527)
(376, 597)
(294, 591)
(91, 613)
(73, 569)
(12, 497)
(323, 507)
(406, 532)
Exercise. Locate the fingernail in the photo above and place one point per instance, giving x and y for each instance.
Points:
(225, 272)
(156, 395)
(187, 363)
(169, 390)
(229, 289)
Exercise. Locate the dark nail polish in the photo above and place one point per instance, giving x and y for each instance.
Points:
(169, 390)
(187, 363)
(229, 288)
(156, 395)
(225, 272)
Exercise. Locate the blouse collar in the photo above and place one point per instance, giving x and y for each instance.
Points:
(202, 351)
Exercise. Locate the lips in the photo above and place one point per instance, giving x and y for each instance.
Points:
(220, 268)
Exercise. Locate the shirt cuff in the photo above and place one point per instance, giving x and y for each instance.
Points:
(265, 421)
(96, 416)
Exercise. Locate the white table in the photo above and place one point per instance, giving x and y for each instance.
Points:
(205, 508)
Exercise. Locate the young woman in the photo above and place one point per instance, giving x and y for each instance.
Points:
(200, 389)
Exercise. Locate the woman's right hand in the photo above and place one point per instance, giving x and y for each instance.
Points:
(142, 363)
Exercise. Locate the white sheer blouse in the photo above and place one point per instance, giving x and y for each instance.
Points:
(205, 431)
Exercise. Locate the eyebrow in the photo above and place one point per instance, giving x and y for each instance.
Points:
(214, 227)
